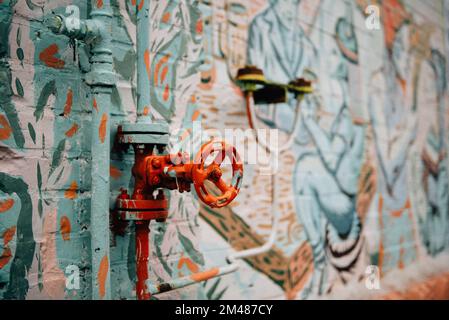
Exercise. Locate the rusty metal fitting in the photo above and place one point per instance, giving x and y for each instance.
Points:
(250, 75)
(156, 163)
(300, 87)
(156, 180)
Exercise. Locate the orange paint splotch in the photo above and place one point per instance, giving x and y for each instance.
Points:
(142, 2)
(68, 103)
(401, 264)
(99, 4)
(65, 228)
(164, 74)
(95, 105)
(166, 17)
(6, 205)
(102, 275)
(72, 131)
(5, 128)
(146, 59)
(102, 127)
(8, 235)
(403, 85)
(166, 94)
(6, 255)
(146, 111)
(206, 275)
(189, 263)
(159, 65)
(199, 26)
(47, 56)
(115, 172)
(71, 191)
(195, 115)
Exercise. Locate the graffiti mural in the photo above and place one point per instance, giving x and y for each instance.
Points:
(354, 142)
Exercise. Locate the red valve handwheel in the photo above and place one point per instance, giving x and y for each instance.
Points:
(213, 173)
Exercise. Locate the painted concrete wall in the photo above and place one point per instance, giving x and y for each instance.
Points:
(365, 181)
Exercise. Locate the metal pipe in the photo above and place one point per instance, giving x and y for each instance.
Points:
(143, 61)
(142, 256)
(232, 259)
(97, 32)
(101, 79)
(99, 221)
(142, 228)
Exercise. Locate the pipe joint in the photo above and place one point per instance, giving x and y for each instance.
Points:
(74, 28)
(101, 76)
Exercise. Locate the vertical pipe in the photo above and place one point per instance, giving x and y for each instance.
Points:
(142, 256)
(143, 116)
(101, 80)
(143, 61)
(142, 228)
(100, 195)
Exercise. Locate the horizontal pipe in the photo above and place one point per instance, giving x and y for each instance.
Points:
(86, 30)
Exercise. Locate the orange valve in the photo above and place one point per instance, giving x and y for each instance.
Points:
(201, 171)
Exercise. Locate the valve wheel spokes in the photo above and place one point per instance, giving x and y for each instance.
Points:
(213, 173)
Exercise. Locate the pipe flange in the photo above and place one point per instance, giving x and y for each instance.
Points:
(142, 209)
(250, 74)
(156, 133)
(249, 78)
(300, 87)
